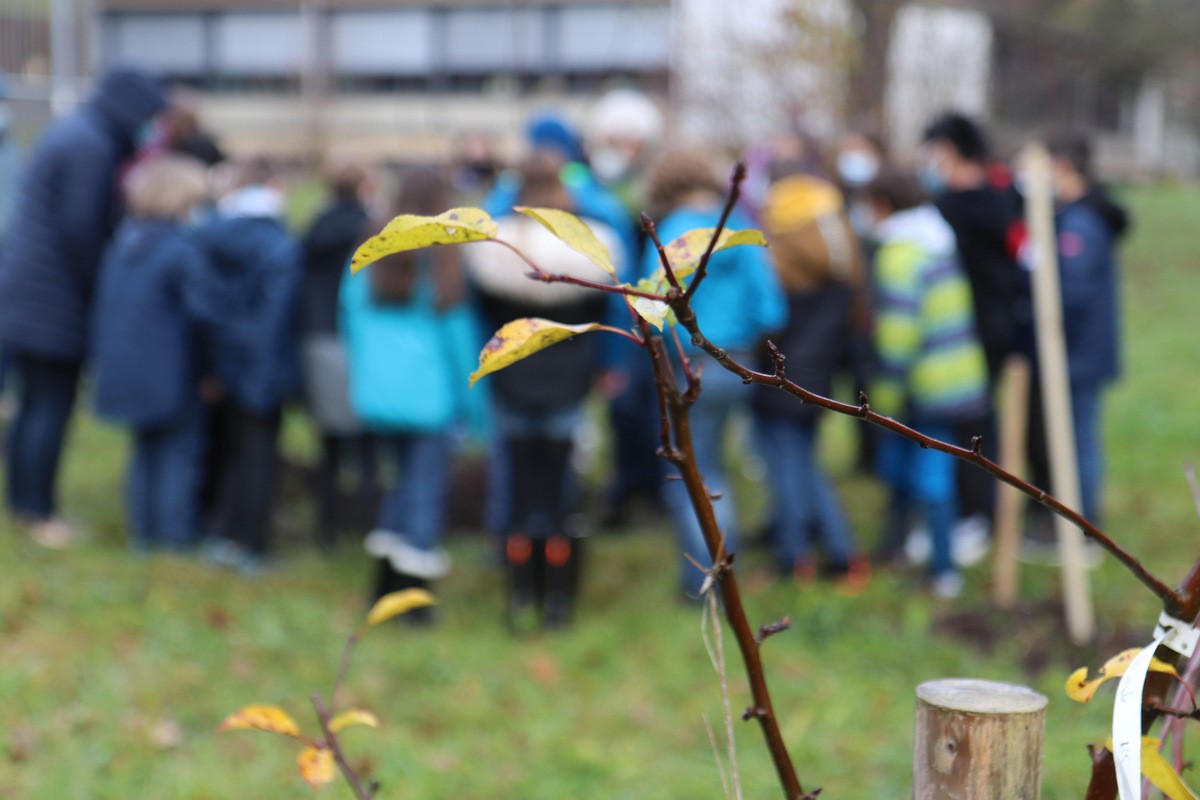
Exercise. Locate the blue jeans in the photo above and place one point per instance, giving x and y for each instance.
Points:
(163, 483)
(46, 397)
(723, 394)
(801, 493)
(414, 505)
(922, 480)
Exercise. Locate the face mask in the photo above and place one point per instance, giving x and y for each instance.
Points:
(609, 164)
(931, 178)
(861, 219)
(857, 168)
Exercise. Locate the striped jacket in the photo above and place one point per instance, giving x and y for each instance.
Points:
(932, 367)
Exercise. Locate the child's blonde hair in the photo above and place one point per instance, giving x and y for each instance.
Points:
(166, 187)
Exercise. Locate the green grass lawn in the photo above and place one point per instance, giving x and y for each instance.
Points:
(115, 670)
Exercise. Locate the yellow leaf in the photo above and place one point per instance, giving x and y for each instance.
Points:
(316, 766)
(522, 338)
(396, 603)
(271, 719)
(574, 234)
(653, 311)
(1081, 690)
(1162, 774)
(411, 232)
(685, 252)
(354, 716)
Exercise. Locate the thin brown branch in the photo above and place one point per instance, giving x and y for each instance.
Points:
(356, 785)
(611, 288)
(1167, 711)
(1173, 600)
(678, 450)
(735, 190)
(651, 231)
(735, 611)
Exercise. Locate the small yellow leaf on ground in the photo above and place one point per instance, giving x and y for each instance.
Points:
(574, 233)
(316, 766)
(396, 603)
(412, 232)
(522, 338)
(271, 719)
(1081, 690)
(354, 716)
(685, 252)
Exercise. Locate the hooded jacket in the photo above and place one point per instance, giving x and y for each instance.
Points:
(931, 365)
(255, 281)
(67, 210)
(145, 354)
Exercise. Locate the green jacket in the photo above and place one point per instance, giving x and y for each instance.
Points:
(932, 366)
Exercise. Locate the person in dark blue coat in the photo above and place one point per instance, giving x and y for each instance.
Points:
(1088, 228)
(145, 361)
(66, 212)
(331, 239)
(255, 279)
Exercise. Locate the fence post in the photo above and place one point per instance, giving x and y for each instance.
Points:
(977, 740)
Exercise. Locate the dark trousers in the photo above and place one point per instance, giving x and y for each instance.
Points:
(163, 484)
(247, 467)
(634, 417)
(335, 451)
(46, 397)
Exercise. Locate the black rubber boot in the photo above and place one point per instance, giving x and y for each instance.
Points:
(521, 612)
(562, 557)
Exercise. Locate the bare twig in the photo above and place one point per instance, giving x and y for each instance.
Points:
(1173, 601)
(611, 288)
(651, 231)
(735, 190)
(356, 785)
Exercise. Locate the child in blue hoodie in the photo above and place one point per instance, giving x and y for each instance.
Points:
(146, 359)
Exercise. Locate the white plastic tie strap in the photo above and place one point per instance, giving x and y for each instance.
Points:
(1127, 722)
(1178, 635)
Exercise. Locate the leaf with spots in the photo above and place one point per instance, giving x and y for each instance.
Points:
(574, 233)
(1081, 690)
(316, 766)
(522, 338)
(412, 232)
(685, 252)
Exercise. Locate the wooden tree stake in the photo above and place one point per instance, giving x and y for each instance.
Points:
(1056, 392)
(1014, 420)
(978, 740)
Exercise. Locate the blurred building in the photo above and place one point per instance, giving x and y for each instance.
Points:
(396, 79)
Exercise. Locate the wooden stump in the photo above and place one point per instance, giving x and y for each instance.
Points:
(978, 740)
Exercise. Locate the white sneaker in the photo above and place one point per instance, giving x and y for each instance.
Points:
(918, 547)
(947, 586)
(53, 534)
(969, 542)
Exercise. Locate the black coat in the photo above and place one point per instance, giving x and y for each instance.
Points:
(981, 219)
(816, 340)
(331, 240)
(66, 213)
